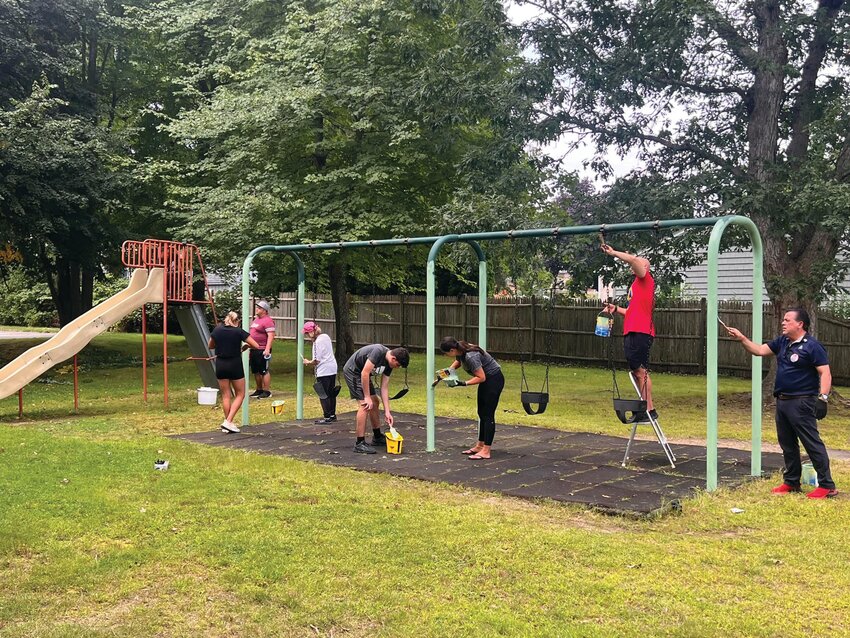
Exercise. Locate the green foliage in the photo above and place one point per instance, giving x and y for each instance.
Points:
(344, 121)
(733, 108)
(25, 301)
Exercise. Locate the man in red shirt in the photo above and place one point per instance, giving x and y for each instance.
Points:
(262, 331)
(638, 327)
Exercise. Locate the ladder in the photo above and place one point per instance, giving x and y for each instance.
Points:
(659, 433)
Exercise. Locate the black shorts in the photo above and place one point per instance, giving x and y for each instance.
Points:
(259, 363)
(636, 346)
(229, 368)
(355, 386)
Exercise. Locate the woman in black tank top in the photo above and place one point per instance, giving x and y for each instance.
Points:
(227, 339)
(487, 375)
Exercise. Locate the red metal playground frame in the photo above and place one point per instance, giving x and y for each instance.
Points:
(178, 263)
(177, 260)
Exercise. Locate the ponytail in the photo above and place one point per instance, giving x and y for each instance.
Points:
(450, 343)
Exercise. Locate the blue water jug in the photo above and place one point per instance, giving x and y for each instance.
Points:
(604, 324)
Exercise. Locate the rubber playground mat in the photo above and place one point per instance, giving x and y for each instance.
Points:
(527, 462)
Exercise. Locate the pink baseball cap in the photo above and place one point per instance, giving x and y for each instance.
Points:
(310, 326)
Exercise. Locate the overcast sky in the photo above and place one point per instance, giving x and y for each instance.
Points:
(571, 149)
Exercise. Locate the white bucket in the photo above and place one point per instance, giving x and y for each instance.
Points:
(207, 396)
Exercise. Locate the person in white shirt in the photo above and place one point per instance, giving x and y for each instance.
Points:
(326, 368)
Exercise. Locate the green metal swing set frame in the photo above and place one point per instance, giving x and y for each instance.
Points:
(718, 224)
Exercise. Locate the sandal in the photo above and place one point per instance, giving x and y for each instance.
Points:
(472, 450)
(478, 457)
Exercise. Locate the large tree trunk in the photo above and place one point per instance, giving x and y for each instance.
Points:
(337, 273)
(71, 288)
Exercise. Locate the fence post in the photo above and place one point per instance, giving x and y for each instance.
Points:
(401, 321)
(463, 320)
(533, 327)
(703, 332)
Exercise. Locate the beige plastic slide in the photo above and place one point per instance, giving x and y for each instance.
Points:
(143, 288)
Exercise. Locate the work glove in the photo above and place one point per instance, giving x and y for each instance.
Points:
(453, 383)
(820, 409)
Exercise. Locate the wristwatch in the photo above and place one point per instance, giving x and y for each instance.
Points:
(824, 398)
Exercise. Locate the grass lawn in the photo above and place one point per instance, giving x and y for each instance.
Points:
(95, 542)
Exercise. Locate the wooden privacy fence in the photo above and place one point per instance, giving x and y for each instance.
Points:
(564, 334)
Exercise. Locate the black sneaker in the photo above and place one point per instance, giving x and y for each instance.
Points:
(653, 414)
(327, 419)
(641, 417)
(256, 394)
(265, 394)
(364, 448)
(379, 439)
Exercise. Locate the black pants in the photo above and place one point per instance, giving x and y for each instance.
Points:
(488, 400)
(329, 404)
(795, 424)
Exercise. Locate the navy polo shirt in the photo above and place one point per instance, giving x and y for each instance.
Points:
(795, 365)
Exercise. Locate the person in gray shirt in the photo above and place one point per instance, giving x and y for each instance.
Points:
(487, 375)
(374, 359)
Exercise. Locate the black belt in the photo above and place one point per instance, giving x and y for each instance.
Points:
(786, 397)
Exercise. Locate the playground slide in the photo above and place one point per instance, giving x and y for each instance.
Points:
(143, 288)
(193, 324)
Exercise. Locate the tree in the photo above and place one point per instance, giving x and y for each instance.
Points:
(345, 120)
(68, 152)
(744, 105)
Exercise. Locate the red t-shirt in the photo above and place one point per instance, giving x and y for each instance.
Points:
(639, 313)
(260, 328)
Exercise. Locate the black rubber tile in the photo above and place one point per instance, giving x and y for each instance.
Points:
(527, 462)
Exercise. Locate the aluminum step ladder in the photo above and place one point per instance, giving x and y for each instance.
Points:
(659, 433)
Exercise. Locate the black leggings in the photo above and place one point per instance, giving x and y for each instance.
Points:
(329, 404)
(488, 400)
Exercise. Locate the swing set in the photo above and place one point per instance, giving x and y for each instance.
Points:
(541, 399)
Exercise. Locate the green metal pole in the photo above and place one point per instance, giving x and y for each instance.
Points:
(430, 338)
(712, 337)
(483, 291)
(246, 320)
(758, 317)
(299, 339)
(711, 358)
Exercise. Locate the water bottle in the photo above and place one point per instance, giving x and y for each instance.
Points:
(604, 324)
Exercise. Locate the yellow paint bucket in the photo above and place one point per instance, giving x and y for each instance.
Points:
(277, 407)
(395, 442)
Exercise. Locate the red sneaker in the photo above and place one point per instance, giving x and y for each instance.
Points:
(822, 492)
(785, 489)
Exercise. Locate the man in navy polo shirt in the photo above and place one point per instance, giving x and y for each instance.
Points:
(803, 382)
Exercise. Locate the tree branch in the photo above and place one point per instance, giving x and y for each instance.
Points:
(726, 30)
(803, 110)
(699, 88)
(705, 154)
(544, 6)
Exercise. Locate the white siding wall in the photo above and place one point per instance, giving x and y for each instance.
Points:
(735, 278)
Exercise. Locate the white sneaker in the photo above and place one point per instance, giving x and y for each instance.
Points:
(227, 426)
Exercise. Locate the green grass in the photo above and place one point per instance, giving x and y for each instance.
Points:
(94, 542)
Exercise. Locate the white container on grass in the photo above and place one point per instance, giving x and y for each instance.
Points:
(207, 396)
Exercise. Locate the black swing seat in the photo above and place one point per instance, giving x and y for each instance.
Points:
(399, 394)
(319, 389)
(529, 399)
(623, 406)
